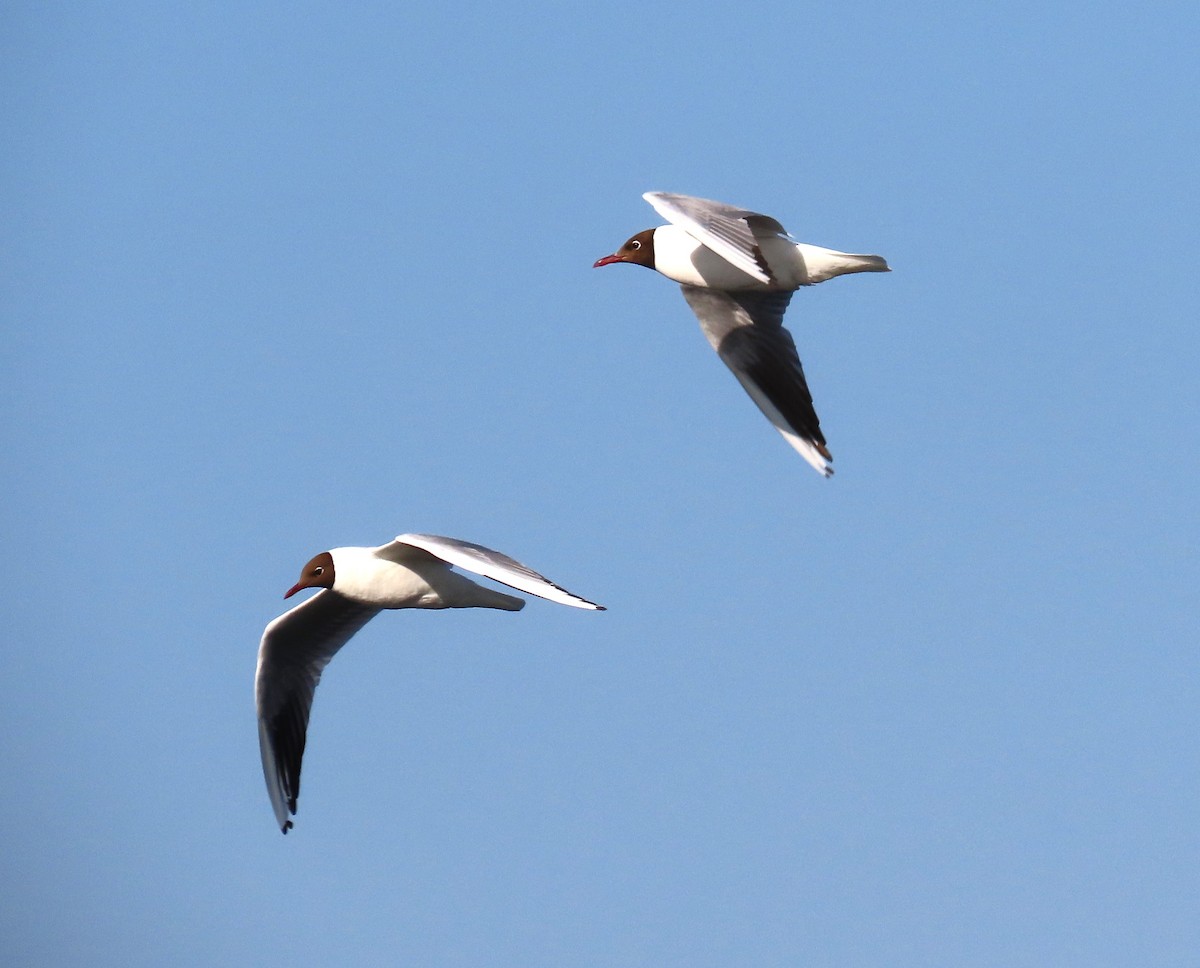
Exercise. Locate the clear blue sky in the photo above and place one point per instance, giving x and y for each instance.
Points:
(281, 279)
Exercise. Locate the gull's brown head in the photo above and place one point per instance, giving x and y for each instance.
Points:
(638, 251)
(318, 573)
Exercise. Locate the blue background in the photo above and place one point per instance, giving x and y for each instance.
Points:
(303, 275)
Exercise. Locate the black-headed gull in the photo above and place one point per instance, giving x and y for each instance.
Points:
(738, 270)
(357, 583)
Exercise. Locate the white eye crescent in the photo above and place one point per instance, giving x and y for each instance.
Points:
(635, 244)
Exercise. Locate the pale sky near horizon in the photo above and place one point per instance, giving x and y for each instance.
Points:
(302, 276)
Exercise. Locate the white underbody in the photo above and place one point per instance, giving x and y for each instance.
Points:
(678, 256)
(365, 577)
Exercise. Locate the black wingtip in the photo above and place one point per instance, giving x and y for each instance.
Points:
(287, 825)
(762, 263)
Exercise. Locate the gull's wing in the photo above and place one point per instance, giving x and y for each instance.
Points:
(483, 561)
(732, 233)
(295, 648)
(746, 329)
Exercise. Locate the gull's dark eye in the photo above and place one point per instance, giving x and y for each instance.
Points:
(635, 244)
(319, 570)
